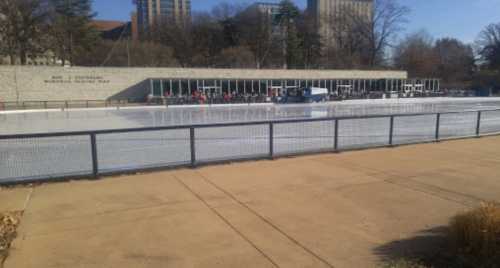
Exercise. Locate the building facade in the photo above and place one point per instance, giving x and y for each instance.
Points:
(331, 15)
(154, 11)
(271, 9)
(30, 83)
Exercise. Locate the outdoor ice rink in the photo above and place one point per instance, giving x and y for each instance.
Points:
(95, 119)
(34, 158)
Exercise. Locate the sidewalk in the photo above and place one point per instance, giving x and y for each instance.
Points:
(352, 209)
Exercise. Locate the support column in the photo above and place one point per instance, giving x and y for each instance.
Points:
(161, 88)
(267, 88)
(151, 87)
(189, 87)
(171, 88)
(180, 88)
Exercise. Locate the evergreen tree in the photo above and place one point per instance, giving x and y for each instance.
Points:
(71, 30)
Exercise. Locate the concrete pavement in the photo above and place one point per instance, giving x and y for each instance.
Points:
(330, 210)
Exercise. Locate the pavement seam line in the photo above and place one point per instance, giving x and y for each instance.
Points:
(293, 240)
(226, 221)
(438, 189)
(28, 199)
(396, 176)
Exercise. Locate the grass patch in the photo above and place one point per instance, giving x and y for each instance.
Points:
(8, 225)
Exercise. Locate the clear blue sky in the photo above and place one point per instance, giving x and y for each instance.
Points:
(462, 19)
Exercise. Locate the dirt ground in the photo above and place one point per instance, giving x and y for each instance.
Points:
(353, 209)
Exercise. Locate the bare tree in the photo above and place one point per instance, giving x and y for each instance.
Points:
(311, 44)
(345, 39)
(417, 55)
(389, 18)
(290, 43)
(456, 63)
(257, 33)
(489, 46)
(21, 25)
(235, 57)
(226, 14)
(368, 36)
(121, 54)
(176, 36)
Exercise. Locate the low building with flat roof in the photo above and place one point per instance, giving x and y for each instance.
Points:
(25, 83)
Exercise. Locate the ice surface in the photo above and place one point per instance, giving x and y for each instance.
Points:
(94, 119)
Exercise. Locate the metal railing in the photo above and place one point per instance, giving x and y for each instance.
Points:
(65, 104)
(65, 155)
(75, 104)
(184, 100)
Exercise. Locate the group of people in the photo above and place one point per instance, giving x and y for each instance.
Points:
(274, 95)
(201, 97)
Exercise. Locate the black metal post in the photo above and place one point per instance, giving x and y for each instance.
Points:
(193, 146)
(95, 163)
(45, 104)
(478, 125)
(391, 130)
(438, 123)
(336, 138)
(271, 140)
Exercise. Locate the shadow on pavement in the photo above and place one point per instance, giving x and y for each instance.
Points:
(426, 246)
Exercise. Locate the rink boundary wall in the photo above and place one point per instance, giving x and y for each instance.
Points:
(96, 172)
